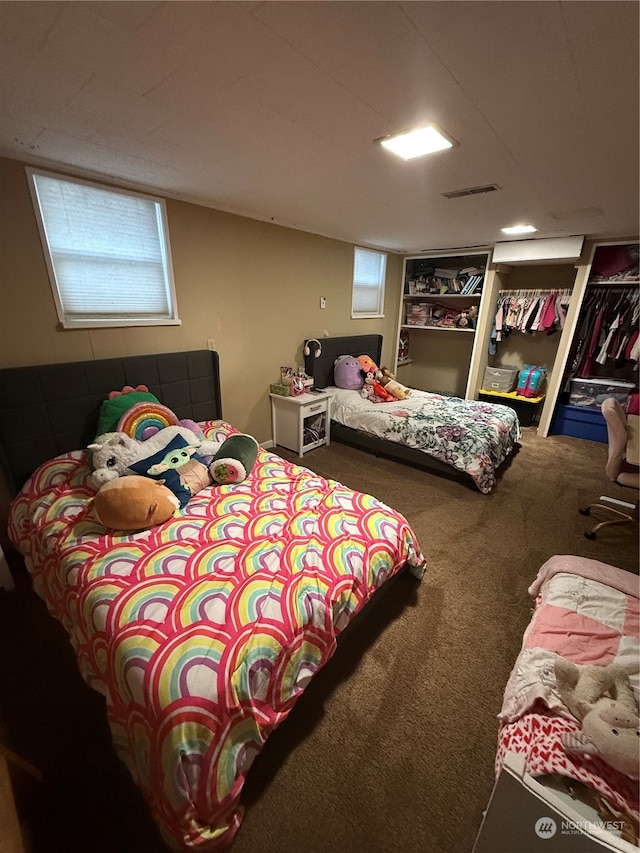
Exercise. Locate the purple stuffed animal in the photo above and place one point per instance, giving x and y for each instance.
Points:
(347, 373)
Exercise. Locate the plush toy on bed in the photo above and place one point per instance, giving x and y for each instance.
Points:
(397, 389)
(369, 366)
(173, 456)
(113, 454)
(131, 504)
(601, 698)
(372, 376)
(139, 414)
(373, 389)
(347, 373)
(367, 391)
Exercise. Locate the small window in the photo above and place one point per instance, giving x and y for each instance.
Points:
(107, 253)
(369, 269)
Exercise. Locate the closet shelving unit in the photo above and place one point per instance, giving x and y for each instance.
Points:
(437, 289)
(443, 360)
(589, 422)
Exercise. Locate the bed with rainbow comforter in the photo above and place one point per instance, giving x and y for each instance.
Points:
(203, 631)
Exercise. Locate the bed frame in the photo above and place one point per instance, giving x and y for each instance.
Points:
(519, 803)
(50, 409)
(321, 369)
(47, 410)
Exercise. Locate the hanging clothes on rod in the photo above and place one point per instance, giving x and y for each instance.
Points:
(607, 329)
(529, 311)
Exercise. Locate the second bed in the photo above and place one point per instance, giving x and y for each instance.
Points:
(467, 438)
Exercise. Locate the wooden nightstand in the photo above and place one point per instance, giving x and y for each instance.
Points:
(301, 423)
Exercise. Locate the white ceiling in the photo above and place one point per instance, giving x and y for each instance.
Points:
(270, 109)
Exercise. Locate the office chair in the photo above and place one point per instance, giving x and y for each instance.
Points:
(617, 469)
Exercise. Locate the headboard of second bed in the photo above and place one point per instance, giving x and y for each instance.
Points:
(321, 368)
(50, 409)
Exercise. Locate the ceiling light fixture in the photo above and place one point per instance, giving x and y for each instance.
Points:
(415, 143)
(519, 229)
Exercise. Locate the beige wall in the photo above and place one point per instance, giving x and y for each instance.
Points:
(253, 287)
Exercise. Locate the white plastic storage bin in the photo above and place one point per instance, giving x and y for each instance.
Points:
(590, 393)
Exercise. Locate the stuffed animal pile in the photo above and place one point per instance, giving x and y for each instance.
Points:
(392, 386)
(145, 469)
(601, 698)
(376, 384)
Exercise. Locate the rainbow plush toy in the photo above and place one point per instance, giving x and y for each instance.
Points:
(145, 419)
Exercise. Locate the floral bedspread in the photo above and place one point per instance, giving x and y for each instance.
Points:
(468, 435)
(203, 631)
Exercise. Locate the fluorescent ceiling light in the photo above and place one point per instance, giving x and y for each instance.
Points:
(415, 143)
(519, 229)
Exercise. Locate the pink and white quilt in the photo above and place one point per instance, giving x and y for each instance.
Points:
(587, 612)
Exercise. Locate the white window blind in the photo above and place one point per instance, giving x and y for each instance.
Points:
(369, 269)
(107, 253)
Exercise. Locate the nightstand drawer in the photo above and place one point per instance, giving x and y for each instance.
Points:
(315, 408)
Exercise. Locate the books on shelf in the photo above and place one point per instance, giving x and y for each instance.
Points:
(474, 284)
(439, 285)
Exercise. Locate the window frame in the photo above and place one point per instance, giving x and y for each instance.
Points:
(165, 246)
(369, 315)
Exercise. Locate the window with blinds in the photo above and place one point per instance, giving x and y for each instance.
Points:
(369, 270)
(107, 253)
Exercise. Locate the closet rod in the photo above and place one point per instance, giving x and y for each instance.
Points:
(612, 288)
(533, 293)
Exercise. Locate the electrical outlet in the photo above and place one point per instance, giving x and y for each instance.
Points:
(325, 334)
(323, 302)
(211, 344)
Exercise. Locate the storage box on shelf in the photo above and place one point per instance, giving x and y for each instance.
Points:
(502, 379)
(590, 393)
(526, 407)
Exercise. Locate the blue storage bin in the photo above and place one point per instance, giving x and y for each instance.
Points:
(579, 422)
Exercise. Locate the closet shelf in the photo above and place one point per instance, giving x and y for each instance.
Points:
(438, 328)
(441, 295)
(609, 282)
(403, 361)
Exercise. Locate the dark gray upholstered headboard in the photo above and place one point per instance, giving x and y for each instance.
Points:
(321, 368)
(53, 408)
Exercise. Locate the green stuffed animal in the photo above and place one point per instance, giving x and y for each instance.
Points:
(234, 460)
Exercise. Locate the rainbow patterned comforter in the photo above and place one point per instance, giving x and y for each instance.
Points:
(204, 631)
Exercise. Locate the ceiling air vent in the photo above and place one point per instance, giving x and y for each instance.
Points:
(486, 188)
